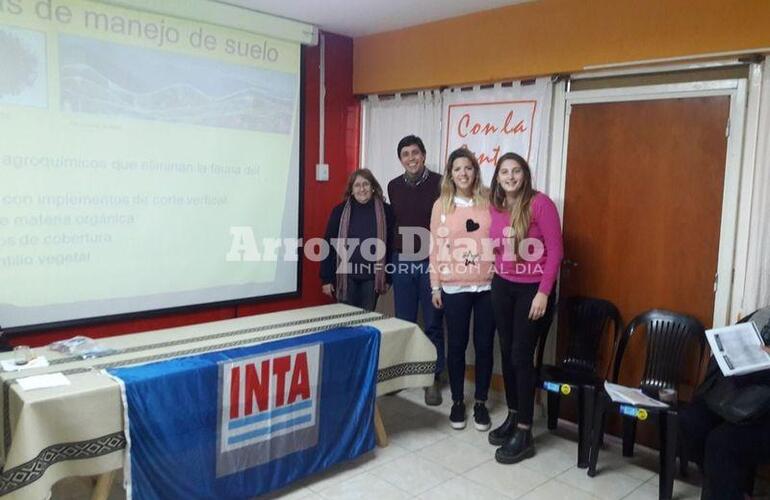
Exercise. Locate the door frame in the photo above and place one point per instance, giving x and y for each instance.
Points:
(736, 90)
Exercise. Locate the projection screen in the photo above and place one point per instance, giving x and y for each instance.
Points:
(131, 145)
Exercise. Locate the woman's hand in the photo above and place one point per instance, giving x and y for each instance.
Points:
(436, 299)
(328, 289)
(539, 304)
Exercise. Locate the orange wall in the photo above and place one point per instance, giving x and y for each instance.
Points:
(554, 36)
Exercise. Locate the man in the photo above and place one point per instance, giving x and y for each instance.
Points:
(411, 196)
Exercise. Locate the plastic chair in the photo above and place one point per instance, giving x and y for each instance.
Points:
(543, 338)
(668, 337)
(587, 321)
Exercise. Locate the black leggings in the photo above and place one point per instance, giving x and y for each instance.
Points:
(361, 294)
(518, 339)
(457, 311)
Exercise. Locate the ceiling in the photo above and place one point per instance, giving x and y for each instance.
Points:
(364, 17)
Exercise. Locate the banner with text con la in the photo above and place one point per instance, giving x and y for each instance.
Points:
(493, 121)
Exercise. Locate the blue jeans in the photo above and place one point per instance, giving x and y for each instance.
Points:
(411, 288)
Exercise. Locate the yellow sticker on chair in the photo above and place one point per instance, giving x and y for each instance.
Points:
(566, 389)
(641, 414)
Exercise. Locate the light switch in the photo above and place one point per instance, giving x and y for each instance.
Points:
(322, 172)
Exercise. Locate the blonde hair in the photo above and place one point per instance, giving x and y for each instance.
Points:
(448, 188)
(521, 208)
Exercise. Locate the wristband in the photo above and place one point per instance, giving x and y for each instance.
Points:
(435, 289)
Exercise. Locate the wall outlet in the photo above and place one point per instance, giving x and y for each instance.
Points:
(322, 172)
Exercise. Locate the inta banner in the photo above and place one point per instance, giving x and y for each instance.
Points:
(493, 121)
(245, 421)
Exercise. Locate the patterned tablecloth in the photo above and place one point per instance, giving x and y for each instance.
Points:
(77, 430)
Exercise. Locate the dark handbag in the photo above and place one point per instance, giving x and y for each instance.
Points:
(737, 399)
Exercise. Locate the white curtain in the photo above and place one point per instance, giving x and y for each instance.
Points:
(495, 120)
(386, 121)
(756, 292)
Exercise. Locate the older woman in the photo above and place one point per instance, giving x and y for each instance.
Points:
(359, 234)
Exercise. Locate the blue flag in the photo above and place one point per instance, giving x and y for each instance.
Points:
(239, 423)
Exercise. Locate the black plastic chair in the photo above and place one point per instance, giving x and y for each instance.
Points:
(668, 335)
(588, 319)
(545, 331)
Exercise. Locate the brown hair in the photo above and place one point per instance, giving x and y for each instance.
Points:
(520, 209)
(369, 176)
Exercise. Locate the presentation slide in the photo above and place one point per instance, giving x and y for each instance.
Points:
(131, 146)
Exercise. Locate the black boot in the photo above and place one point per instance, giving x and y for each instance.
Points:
(517, 448)
(501, 434)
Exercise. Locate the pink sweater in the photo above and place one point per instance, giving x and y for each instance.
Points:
(460, 252)
(540, 261)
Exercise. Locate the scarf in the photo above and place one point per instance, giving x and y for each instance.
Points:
(342, 236)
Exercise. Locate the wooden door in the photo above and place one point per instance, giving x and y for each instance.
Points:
(642, 210)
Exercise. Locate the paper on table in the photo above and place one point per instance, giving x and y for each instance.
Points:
(628, 395)
(9, 365)
(43, 381)
(738, 349)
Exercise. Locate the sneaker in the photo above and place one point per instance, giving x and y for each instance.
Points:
(517, 448)
(481, 417)
(503, 433)
(433, 394)
(457, 415)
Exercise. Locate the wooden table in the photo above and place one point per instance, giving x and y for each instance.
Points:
(77, 430)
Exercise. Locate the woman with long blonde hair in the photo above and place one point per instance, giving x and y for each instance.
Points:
(528, 252)
(460, 275)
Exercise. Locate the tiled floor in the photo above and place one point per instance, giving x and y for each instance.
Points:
(427, 459)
